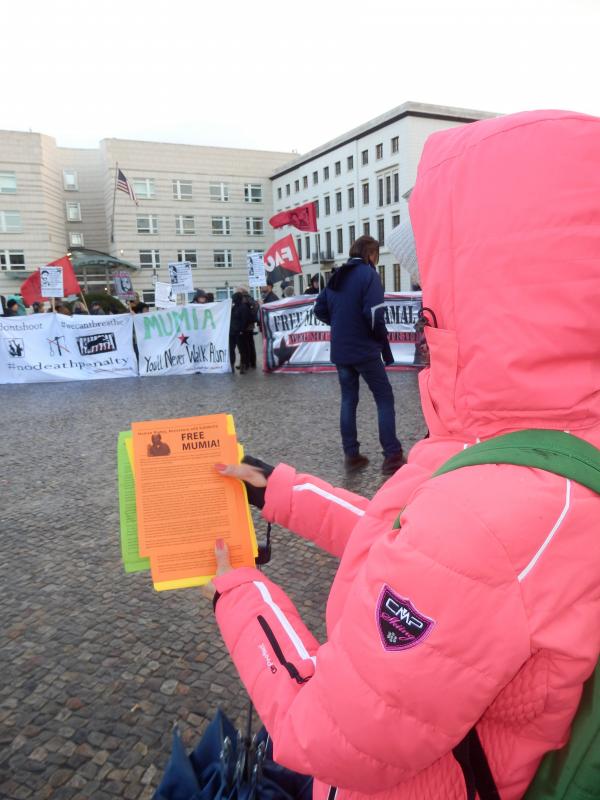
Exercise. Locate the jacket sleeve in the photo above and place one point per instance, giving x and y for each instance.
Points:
(322, 308)
(433, 628)
(312, 508)
(373, 308)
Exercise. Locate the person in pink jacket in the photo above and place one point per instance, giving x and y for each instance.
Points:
(483, 608)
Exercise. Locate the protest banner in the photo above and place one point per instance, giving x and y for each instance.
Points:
(184, 340)
(294, 340)
(123, 285)
(180, 273)
(164, 296)
(51, 281)
(256, 270)
(54, 347)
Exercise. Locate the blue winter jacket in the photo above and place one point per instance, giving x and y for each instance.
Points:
(352, 304)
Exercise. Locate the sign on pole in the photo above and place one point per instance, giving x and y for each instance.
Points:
(51, 282)
(256, 270)
(164, 296)
(180, 273)
(123, 285)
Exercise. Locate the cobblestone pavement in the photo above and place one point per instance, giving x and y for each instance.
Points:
(95, 665)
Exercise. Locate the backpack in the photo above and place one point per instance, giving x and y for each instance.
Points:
(572, 773)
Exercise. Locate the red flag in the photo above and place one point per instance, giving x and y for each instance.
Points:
(303, 217)
(281, 258)
(31, 289)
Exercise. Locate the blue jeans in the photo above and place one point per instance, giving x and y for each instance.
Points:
(377, 380)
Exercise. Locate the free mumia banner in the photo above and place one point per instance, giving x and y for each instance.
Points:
(294, 340)
(184, 340)
(54, 347)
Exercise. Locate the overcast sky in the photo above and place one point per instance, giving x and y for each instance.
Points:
(283, 75)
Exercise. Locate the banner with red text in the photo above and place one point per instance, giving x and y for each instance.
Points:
(294, 340)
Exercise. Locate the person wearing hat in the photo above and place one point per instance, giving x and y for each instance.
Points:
(267, 293)
(314, 287)
(199, 297)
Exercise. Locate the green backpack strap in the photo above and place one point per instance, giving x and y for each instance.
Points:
(572, 773)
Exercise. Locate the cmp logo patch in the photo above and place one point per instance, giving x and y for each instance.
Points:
(15, 347)
(99, 343)
(399, 623)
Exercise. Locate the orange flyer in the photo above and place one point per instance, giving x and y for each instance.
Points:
(183, 504)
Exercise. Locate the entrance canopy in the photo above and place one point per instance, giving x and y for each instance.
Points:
(82, 257)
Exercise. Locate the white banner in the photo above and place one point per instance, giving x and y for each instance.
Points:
(54, 347)
(164, 296)
(184, 340)
(296, 341)
(180, 273)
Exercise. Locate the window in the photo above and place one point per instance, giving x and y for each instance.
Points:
(182, 190)
(365, 193)
(395, 144)
(366, 228)
(299, 247)
(221, 226)
(325, 173)
(395, 220)
(148, 296)
(222, 259)
(184, 225)
(253, 193)
(351, 197)
(297, 186)
(351, 234)
(327, 205)
(307, 246)
(279, 192)
(301, 283)
(287, 188)
(143, 188)
(340, 240)
(8, 182)
(388, 189)
(316, 202)
(315, 177)
(70, 180)
(379, 191)
(10, 221)
(338, 201)
(188, 255)
(305, 182)
(12, 259)
(364, 157)
(397, 278)
(255, 226)
(74, 212)
(381, 269)
(148, 223)
(396, 178)
(223, 292)
(388, 186)
(338, 167)
(380, 230)
(350, 163)
(379, 151)
(149, 259)
(328, 250)
(75, 239)
(218, 192)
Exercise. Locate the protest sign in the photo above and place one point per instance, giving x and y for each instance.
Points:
(184, 340)
(164, 296)
(123, 285)
(51, 281)
(180, 274)
(54, 347)
(256, 270)
(294, 340)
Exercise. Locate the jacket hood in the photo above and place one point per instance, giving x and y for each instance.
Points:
(340, 274)
(506, 217)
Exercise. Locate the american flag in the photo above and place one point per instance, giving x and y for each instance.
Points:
(123, 185)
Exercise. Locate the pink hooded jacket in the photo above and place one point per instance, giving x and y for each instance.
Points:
(484, 607)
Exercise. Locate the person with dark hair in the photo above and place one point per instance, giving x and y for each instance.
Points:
(96, 308)
(210, 298)
(240, 318)
(200, 297)
(352, 303)
(12, 309)
(267, 293)
(141, 308)
(315, 284)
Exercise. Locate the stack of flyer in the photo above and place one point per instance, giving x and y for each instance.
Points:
(174, 504)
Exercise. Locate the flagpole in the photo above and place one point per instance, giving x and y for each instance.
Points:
(112, 224)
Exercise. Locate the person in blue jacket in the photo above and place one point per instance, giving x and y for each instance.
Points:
(353, 305)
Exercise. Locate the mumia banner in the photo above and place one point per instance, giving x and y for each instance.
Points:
(54, 347)
(296, 341)
(184, 339)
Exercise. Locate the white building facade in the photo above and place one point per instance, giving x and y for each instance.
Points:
(361, 182)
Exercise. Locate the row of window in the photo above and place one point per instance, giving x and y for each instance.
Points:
(222, 259)
(327, 242)
(186, 225)
(145, 188)
(337, 167)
